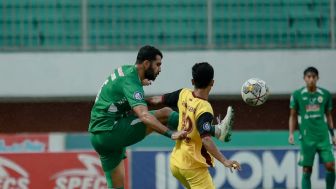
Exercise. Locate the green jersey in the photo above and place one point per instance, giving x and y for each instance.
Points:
(121, 92)
(311, 109)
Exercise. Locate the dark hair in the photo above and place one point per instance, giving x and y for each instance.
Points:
(147, 53)
(310, 70)
(202, 74)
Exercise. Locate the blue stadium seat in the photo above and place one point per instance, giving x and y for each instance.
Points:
(54, 24)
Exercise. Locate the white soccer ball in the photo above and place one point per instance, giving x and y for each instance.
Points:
(254, 92)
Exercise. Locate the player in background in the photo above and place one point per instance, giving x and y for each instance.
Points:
(311, 106)
(193, 155)
(113, 126)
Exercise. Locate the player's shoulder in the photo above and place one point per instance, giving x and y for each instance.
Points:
(128, 70)
(185, 92)
(323, 91)
(130, 74)
(205, 106)
(299, 91)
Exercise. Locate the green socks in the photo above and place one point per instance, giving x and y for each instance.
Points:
(305, 182)
(173, 120)
(330, 179)
(108, 179)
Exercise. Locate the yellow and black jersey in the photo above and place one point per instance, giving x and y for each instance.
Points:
(195, 116)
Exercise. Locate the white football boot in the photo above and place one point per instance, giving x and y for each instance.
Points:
(225, 125)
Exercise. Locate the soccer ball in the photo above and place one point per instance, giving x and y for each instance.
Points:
(254, 92)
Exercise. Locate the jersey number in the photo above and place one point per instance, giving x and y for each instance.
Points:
(186, 125)
(113, 77)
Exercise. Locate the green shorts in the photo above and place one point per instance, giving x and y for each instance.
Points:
(110, 145)
(310, 147)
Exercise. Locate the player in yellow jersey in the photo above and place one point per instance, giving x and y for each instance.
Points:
(192, 156)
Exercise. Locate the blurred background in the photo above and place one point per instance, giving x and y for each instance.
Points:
(55, 54)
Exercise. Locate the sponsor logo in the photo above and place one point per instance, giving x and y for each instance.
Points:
(261, 169)
(12, 175)
(312, 100)
(312, 116)
(113, 108)
(121, 101)
(313, 108)
(206, 126)
(189, 108)
(89, 177)
(138, 95)
(24, 146)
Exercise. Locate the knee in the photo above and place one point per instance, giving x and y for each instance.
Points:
(330, 167)
(166, 111)
(163, 114)
(307, 170)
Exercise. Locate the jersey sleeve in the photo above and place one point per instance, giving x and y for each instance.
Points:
(171, 99)
(204, 125)
(203, 108)
(204, 117)
(134, 92)
(293, 104)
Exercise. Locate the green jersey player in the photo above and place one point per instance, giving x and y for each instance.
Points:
(113, 125)
(311, 107)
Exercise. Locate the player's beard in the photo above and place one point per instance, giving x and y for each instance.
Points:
(150, 74)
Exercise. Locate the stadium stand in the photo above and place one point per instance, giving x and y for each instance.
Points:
(118, 24)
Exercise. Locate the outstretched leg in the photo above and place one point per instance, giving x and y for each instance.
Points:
(167, 117)
(110, 145)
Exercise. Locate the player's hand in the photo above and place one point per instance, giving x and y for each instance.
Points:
(146, 82)
(334, 140)
(179, 135)
(291, 139)
(232, 165)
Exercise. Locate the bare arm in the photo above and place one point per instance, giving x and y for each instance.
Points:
(212, 149)
(151, 121)
(147, 118)
(331, 126)
(168, 99)
(292, 125)
(330, 120)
